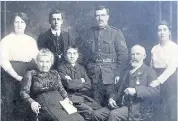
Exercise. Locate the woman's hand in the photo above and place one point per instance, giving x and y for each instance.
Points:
(67, 99)
(19, 78)
(35, 107)
(155, 83)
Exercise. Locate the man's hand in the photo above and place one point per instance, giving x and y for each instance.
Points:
(112, 103)
(130, 91)
(155, 83)
(35, 106)
(83, 80)
(67, 99)
(116, 79)
(68, 77)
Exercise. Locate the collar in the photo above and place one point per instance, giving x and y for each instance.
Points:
(135, 69)
(72, 67)
(54, 32)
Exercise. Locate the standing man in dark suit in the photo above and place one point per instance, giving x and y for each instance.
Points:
(106, 54)
(55, 39)
(134, 87)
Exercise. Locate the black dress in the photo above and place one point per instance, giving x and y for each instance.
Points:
(47, 90)
(168, 94)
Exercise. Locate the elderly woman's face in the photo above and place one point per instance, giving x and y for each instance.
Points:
(19, 25)
(44, 63)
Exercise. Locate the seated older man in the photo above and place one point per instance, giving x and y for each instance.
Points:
(133, 97)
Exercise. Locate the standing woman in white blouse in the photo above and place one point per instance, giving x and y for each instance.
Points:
(165, 61)
(17, 51)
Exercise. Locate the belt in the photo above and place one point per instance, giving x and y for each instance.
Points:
(106, 60)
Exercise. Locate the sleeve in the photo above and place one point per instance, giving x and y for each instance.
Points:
(34, 49)
(71, 39)
(119, 87)
(25, 87)
(61, 88)
(171, 67)
(122, 52)
(41, 42)
(87, 83)
(4, 58)
(147, 91)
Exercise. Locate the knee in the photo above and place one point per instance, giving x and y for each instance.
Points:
(98, 115)
(113, 114)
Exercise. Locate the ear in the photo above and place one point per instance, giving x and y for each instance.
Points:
(144, 56)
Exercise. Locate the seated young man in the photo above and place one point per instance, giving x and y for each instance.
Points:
(77, 83)
(133, 87)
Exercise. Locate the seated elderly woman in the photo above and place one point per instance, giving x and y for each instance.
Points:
(42, 89)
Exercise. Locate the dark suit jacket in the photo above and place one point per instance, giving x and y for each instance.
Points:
(76, 73)
(57, 45)
(139, 80)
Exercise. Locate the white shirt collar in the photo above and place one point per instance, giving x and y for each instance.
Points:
(56, 31)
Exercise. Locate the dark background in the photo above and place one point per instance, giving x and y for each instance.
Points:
(137, 20)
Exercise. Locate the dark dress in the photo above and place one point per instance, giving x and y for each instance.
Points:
(12, 104)
(47, 90)
(168, 94)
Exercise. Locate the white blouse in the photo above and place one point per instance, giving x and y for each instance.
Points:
(165, 57)
(17, 48)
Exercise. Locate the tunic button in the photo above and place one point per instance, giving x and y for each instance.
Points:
(99, 43)
(99, 49)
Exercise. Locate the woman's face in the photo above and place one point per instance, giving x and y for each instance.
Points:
(44, 63)
(163, 33)
(19, 25)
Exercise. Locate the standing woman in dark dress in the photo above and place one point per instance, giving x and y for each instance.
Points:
(42, 89)
(165, 62)
(17, 50)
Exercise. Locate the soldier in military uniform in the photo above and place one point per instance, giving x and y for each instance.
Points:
(55, 39)
(77, 84)
(134, 88)
(106, 55)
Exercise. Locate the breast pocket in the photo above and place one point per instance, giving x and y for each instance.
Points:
(108, 46)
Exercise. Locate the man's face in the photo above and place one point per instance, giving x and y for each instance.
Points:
(56, 21)
(44, 63)
(102, 18)
(163, 32)
(72, 55)
(137, 56)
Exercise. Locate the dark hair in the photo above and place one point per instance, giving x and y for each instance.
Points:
(165, 23)
(101, 8)
(55, 12)
(71, 46)
(22, 15)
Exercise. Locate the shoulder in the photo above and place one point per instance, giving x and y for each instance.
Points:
(173, 45)
(154, 48)
(115, 29)
(46, 33)
(53, 72)
(7, 38)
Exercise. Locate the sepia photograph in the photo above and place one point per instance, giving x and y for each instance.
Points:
(89, 60)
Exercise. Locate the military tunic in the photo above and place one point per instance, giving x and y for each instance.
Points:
(106, 54)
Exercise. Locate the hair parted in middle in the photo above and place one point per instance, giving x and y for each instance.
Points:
(45, 52)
